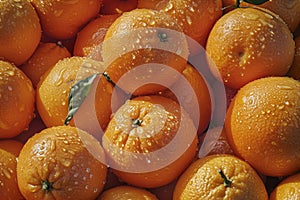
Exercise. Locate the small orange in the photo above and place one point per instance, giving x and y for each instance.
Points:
(8, 177)
(111, 7)
(142, 141)
(288, 189)
(90, 38)
(16, 99)
(288, 10)
(61, 163)
(63, 19)
(220, 177)
(45, 56)
(295, 68)
(262, 125)
(125, 193)
(20, 31)
(250, 43)
(12, 146)
(144, 51)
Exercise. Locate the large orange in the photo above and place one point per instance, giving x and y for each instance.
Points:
(150, 141)
(145, 51)
(288, 189)
(45, 56)
(20, 30)
(8, 177)
(16, 100)
(262, 125)
(288, 10)
(220, 177)
(63, 19)
(247, 44)
(61, 163)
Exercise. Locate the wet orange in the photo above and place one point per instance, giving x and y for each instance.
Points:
(89, 40)
(125, 193)
(63, 19)
(288, 10)
(295, 68)
(139, 137)
(61, 163)
(12, 146)
(45, 56)
(145, 51)
(288, 189)
(8, 177)
(110, 7)
(152, 4)
(16, 99)
(20, 31)
(262, 125)
(247, 44)
(203, 180)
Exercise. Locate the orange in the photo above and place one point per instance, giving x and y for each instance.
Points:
(20, 31)
(12, 146)
(89, 39)
(214, 141)
(262, 125)
(288, 189)
(144, 51)
(149, 141)
(220, 177)
(8, 177)
(190, 98)
(110, 7)
(295, 68)
(152, 4)
(247, 44)
(45, 56)
(16, 99)
(61, 163)
(125, 193)
(288, 10)
(195, 18)
(63, 19)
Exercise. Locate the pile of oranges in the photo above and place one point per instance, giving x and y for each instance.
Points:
(149, 99)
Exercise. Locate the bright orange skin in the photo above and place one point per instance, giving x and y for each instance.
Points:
(17, 99)
(262, 125)
(45, 56)
(63, 19)
(20, 31)
(288, 189)
(117, 6)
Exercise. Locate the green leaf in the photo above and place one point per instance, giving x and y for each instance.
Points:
(255, 2)
(77, 95)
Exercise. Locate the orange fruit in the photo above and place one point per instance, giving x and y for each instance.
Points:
(247, 44)
(295, 68)
(145, 51)
(262, 125)
(288, 189)
(8, 177)
(138, 138)
(288, 10)
(20, 31)
(214, 141)
(61, 163)
(89, 39)
(16, 99)
(12, 146)
(196, 96)
(195, 18)
(63, 19)
(220, 177)
(45, 56)
(152, 4)
(125, 193)
(111, 7)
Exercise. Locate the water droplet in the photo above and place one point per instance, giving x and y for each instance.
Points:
(6, 173)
